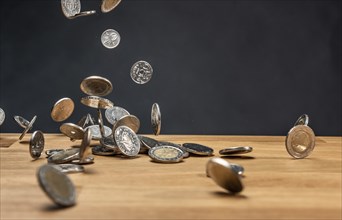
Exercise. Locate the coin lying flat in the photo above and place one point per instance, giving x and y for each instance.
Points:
(22, 122)
(198, 149)
(97, 102)
(68, 168)
(300, 141)
(186, 154)
(29, 126)
(52, 151)
(115, 113)
(148, 142)
(110, 38)
(2, 116)
(96, 86)
(95, 131)
(166, 154)
(62, 109)
(302, 120)
(103, 151)
(156, 118)
(109, 5)
(86, 121)
(72, 131)
(37, 142)
(65, 156)
(72, 9)
(85, 147)
(127, 141)
(236, 150)
(141, 72)
(223, 175)
(57, 186)
(130, 121)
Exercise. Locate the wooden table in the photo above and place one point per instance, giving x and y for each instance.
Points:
(276, 185)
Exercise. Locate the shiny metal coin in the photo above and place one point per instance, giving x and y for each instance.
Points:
(156, 119)
(148, 142)
(115, 113)
(72, 131)
(236, 150)
(141, 72)
(2, 116)
(96, 86)
(127, 141)
(237, 168)
(68, 168)
(223, 175)
(198, 149)
(37, 142)
(22, 122)
(300, 141)
(95, 131)
(65, 156)
(103, 151)
(82, 14)
(85, 146)
(97, 102)
(70, 7)
(29, 126)
(108, 5)
(166, 154)
(57, 186)
(302, 120)
(109, 142)
(86, 121)
(52, 151)
(87, 160)
(186, 154)
(110, 38)
(130, 121)
(62, 109)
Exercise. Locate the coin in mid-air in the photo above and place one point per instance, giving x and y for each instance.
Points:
(57, 186)
(72, 9)
(86, 121)
(130, 121)
(22, 122)
(127, 141)
(85, 147)
(166, 154)
(198, 149)
(236, 150)
(110, 38)
(71, 130)
(115, 113)
(108, 5)
(62, 109)
(300, 141)
(96, 85)
(95, 131)
(141, 72)
(156, 118)
(28, 127)
(2, 116)
(37, 142)
(97, 102)
(302, 120)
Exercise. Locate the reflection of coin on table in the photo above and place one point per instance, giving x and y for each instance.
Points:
(110, 38)
(37, 143)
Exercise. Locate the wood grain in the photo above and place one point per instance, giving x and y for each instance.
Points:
(276, 185)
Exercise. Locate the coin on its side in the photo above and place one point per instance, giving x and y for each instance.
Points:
(95, 131)
(57, 186)
(28, 127)
(22, 122)
(103, 151)
(65, 156)
(110, 38)
(68, 168)
(198, 149)
(72, 131)
(70, 7)
(166, 154)
(300, 141)
(97, 102)
(37, 142)
(236, 150)
(156, 118)
(96, 86)
(148, 142)
(302, 120)
(62, 109)
(2, 116)
(127, 141)
(115, 113)
(141, 72)
(130, 121)
(108, 5)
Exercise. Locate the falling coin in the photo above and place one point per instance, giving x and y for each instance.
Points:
(97, 102)
(85, 147)
(62, 109)
(198, 149)
(72, 131)
(96, 86)
(37, 142)
(141, 72)
(52, 151)
(148, 142)
(166, 154)
(236, 150)
(72, 9)
(115, 113)
(156, 118)
(237, 168)
(127, 141)
(86, 121)
(22, 122)
(109, 5)
(2, 116)
(110, 38)
(130, 121)
(28, 127)
(109, 142)
(302, 120)
(300, 141)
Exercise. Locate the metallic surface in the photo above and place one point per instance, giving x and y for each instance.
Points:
(141, 72)
(65, 156)
(37, 143)
(198, 149)
(68, 168)
(130, 121)
(22, 122)
(96, 86)
(109, 5)
(166, 154)
(97, 102)
(236, 150)
(302, 120)
(300, 141)
(2, 116)
(62, 109)
(29, 126)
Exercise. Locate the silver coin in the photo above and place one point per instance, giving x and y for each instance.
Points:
(95, 131)
(127, 141)
(37, 142)
(223, 175)
(156, 118)
(57, 186)
(115, 113)
(22, 122)
(108, 5)
(70, 7)
(62, 109)
(68, 168)
(237, 168)
(103, 151)
(148, 142)
(85, 147)
(236, 150)
(83, 13)
(97, 102)
(2, 116)
(65, 156)
(109, 143)
(96, 86)
(72, 131)
(300, 141)
(52, 151)
(166, 154)
(185, 152)
(29, 126)
(86, 121)
(110, 38)
(302, 120)
(198, 149)
(130, 121)
(141, 72)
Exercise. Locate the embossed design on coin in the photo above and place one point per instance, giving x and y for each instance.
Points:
(127, 141)
(166, 154)
(95, 131)
(236, 150)
(28, 127)
(2, 116)
(97, 102)
(85, 148)
(198, 149)
(70, 7)
(108, 5)
(141, 72)
(110, 38)
(302, 120)
(62, 109)
(96, 86)
(300, 141)
(130, 121)
(115, 113)
(103, 151)
(156, 118)
(57, 186)
(22, 122)
(72, 131)
(37, 142)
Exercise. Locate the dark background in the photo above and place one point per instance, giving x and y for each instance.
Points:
(220, 67)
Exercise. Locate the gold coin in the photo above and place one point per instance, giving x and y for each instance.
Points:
(108, 5)
(72, 131)
(62, 109)
(97, 102)
(96, 85)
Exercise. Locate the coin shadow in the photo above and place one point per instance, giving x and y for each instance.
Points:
(229, 195)
(237, 157)
(54, 208)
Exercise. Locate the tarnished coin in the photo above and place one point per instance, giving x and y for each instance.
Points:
(52, 151)
(86, 160)
(37, 142)
(130, 121)
(237, 168)
(57, 186)
(62, 109)
(72, 9)
(223, 175)
(302, 120)
(166, 154)
(156, 118)
(110, 38)
(97, 102)
(108, 5)
(103, 151)
(198, 149)
(22, 122)
(300, 141)
(148, 142)
(68, 168)
(96, 86)
(95, 131)
(2, 116)
(72, 131)
(28, 127)
(127, 141)
(86, 121)
(141, 72)
(65, 156)
(236, 150)
(115, 113)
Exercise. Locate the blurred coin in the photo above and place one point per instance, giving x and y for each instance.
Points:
(95, 131)
(302, 120)
(62, 109)
(130, 121)
(97, 102)
(115, 113)
(300, 141)
(68, 168)
(52, 151)
(223, 175)
(72, 9)
(110, 38)
(127, 141)
(29, 126)
(236, 150)
(156, 118)
(198, 149)
(96, 86)
(2, 116)
(141, 72)
(103, 151)
(166, 154)
(37, 142)
(65, 156)
(108, 5)
(57, 186)
(72, 131)
(237, 168)
(85, 146)
(86, 121)
(22, 122)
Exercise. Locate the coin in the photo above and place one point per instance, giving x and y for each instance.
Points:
(22, 122)
(302, 120)
(86, 121)
(110, 38)
(62, 109)
(148, 142)
(115, 113)
(72, 131)
(103, 151)
(57, 186)
(97, 102)
(236, 150)
(96, 86)
(166, 154)
(2, 116)
(29, 126)
(68, 168)
(223, 175)
(198, 149)
(130, 121)
(237, 168)
(127, 141)
(65, 156)
(95, 131)
(156, 118)
(300, 141)
(185, 152)
(37, 142)
(109, 142)
(141, 72)
(70, 7)
(83, 13)
(108, 5)
(52, 151)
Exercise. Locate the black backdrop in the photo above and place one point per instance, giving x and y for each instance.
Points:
(220, 67)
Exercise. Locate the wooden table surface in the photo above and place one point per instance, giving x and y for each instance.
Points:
(276, 185)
